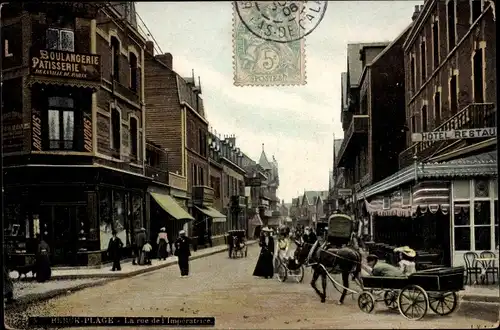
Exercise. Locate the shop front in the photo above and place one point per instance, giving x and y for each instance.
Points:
(209, 223)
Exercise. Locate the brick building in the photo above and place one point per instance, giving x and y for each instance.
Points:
(449, 185)
(73, 113)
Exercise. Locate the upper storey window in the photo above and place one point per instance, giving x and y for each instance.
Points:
(60, 34)
(476, 8)
(115, 58)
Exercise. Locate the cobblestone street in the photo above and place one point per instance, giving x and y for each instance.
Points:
(226, 289)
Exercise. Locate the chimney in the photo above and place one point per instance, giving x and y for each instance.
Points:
(150, 47)
(165, 59)
(416, 12)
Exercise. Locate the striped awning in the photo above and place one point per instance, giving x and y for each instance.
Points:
(431, 196)
(395, 204)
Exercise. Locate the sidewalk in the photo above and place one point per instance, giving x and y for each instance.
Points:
(483, 293)
(65, 281)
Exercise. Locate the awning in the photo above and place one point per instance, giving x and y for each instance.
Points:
(171, 206)
(432, 196)
(212, 213)
(95, 85)
(256, 221)
(273, 221)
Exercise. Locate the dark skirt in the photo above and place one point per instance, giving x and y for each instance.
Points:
(8, 286)
(43, 271)
(162, 249)
(264, 267)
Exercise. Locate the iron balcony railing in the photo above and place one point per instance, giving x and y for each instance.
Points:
(156, 174)
(359, 124)
(475, 115)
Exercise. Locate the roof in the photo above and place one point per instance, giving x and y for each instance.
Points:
(313, 195)
(355, 65)
(343, 82)
(186, 94)
(264, 162)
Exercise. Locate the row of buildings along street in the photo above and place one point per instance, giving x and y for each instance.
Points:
(101, 134)
(427, 191)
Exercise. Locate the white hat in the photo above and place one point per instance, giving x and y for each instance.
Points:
(162, 229)
(143, 229)
(266, 229)
(182, 232)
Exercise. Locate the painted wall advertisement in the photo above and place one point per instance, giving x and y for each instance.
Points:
(87, 132)
(36, 131)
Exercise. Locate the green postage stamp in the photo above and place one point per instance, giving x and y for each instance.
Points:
(266, 54)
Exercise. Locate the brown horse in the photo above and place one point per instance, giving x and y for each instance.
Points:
(346, 260)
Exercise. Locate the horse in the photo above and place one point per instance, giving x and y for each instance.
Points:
(346, 260)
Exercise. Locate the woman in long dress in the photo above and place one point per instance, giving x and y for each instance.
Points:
(162, 242)
(43, 271)
(264, 267)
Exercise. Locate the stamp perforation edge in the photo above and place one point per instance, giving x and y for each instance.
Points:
(303, 60)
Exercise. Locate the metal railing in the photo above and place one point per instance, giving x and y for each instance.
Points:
(359, 123)
(156, 174)
(475, 115)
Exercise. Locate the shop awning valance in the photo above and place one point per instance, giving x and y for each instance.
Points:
(95, 85)
(170, 206)
(431, 196)
(212, 213)
(390, 206)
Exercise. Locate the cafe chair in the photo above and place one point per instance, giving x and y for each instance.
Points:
(471, 267)
(489, 266)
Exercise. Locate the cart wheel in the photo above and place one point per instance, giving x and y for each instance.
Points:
(413, 302)
(443, 304)
(366, 302)
(391, 299)
(281, 273)
(298, 274)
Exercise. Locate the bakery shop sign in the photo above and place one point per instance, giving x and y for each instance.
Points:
(55, 63)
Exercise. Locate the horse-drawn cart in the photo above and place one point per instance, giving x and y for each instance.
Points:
(433, 288)
(236, 244)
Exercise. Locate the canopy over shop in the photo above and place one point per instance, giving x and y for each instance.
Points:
(215, 220)
(419, 215)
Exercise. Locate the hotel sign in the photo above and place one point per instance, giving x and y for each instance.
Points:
(59, 64)
(471, 133)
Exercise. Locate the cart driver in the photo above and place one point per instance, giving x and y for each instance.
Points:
(381, 268)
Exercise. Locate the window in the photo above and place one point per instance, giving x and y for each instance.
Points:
(450, 9)
(201, 177)
(60, 39)
(133, 72)
(437, 108)
(454, 94)
(478, 78)
(61, 122)
(423, 60)
(424, 118)
(413, 124)
(435, 43)
(476, 9)
(202, 141)
(116, 129)
(412, 73)
(115, 58)
(133, 136)
(482, 225)
(226, 193)
(194, 175)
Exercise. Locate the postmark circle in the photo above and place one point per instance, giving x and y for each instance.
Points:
(281, 21)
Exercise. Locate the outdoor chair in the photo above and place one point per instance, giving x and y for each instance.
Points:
(471, 267)
(489, 266)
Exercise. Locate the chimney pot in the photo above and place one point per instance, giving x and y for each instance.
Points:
(166, 59)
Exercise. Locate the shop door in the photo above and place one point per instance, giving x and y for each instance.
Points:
(65, 229)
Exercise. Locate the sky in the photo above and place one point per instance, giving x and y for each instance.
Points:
(296, 124)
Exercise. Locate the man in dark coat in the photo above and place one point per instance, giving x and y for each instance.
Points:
(140, 240)
(43, 271)
(309, 236)
(114, 251)
(183, 253)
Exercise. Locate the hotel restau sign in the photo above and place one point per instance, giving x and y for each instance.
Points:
(60, 64)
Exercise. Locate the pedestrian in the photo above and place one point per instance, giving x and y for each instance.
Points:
(43, 271)
(162, 242)
(140, 240)
(209, 236)
(183, 253)
(309, 236)
(146, 252)
(8, 286)
(264, 267)
(114, 251)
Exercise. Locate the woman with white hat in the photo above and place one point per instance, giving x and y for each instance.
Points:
(407, 259)
(264, 267)
(162, 242)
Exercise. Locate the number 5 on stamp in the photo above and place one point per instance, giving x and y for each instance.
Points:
(267, 54)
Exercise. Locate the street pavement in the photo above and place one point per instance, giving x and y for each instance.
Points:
(225, 288)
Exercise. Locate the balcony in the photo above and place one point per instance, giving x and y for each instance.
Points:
(202, 195)
(238, 201)
(176, 181)
(475, 115)
(359, 125)
(156, 174)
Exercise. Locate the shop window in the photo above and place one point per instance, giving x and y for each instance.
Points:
(435, 43)
(423, 60)
(478, 78)
(133, 72)
(136, 213)
(497, 237)
(106, 223)
(461, 189)
(454, 94)
(60, 39)
(476, 9)
(424, 118)
(61, 123)
(481, 188)
(133, 136)
(115, 58)
(437, 108)
(450, 9)
(119, 215)
(116, 129)
(194, 175)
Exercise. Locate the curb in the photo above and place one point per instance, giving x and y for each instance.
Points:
(21, 303)
(481, 298)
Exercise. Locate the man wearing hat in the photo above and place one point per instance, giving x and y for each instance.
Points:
(382, 268)
(407, 259)
(183, 253)
(140, 240)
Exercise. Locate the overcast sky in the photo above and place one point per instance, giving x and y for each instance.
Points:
(296, 124)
